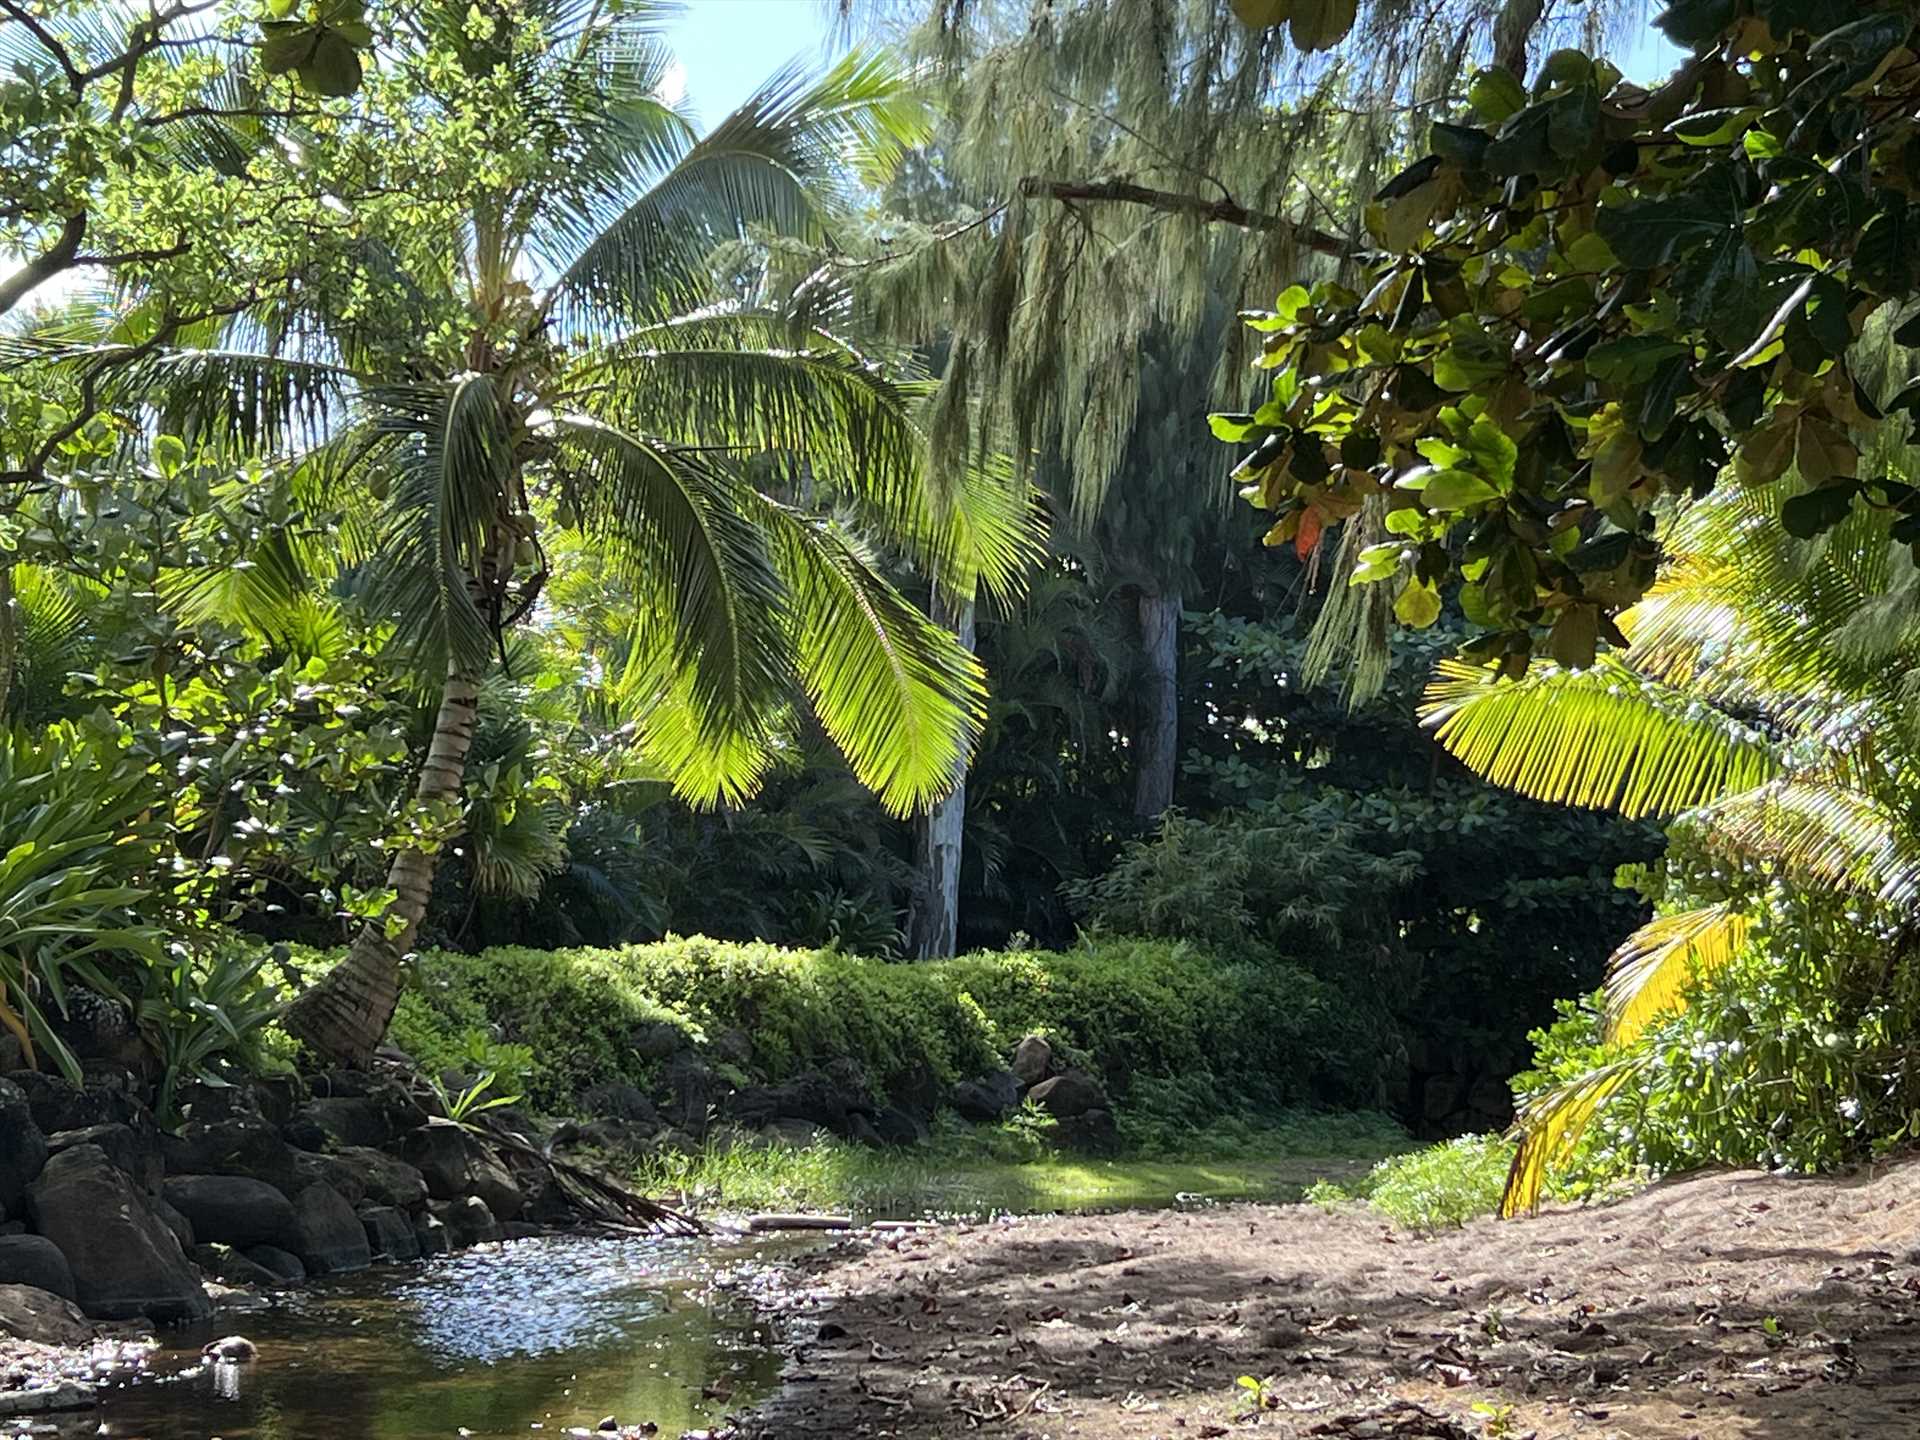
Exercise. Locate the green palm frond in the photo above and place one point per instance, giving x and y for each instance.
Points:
(1603, 738)
(643, 252)
(712, 610)
(449, 460)
(1647, 974)
(902, 699)
(55, 637)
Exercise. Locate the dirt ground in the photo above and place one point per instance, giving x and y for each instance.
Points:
(1716, 1306)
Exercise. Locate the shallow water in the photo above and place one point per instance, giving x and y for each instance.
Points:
(527, 1338)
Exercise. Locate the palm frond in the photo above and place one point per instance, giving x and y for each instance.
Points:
(1603, 738)
(902, 699)
(1647, 974)
(1551, 1124)
(642, 250)
(1830, 831)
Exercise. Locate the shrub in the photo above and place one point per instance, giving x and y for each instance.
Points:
(1141, 1011)
(1443, 1185)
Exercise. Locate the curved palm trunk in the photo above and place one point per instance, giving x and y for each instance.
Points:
(1158, 737)
(934, 924)
(344, 1016)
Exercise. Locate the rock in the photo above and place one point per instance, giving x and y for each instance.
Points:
(342, 1175)
(430, 1231)
(181, 1227)
(68, 1395)
(1092, 1132)
(328, 1236)
(230, 1267)
(494, 1183)
(1440, 1096)
(694, 1092)
(58, 1104)
(1065, 1096)
(443, 1156)
(341, 1083)
(244, 1145)
(361, 1121)
(232, 1209)
(35, 1261)
(790, 1133)
(383, 1179)
(860, 1130)
(284, 1266)
(520, 1230)
(658, 1040)
(896, 1126)
(1032, 1061)
(23, 1147)
(136, 1152)
(915, 1088)
(813, 1096)
(731, 1047)
(618, 1136)
(988, 1098)
(467, 1222)
(28, 1312)
(619, 1101)
(390, 1233)
(125, 1261)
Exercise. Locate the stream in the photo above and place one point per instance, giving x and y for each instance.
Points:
(535, 1336)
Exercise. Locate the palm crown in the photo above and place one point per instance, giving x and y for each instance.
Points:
(537, 333)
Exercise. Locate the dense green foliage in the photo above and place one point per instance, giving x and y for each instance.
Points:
(1267, 1036)
(1436, 1188)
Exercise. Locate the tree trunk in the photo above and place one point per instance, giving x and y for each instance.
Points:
(1158, 738)
(934, 926)
(345, 1015)
(9, 639)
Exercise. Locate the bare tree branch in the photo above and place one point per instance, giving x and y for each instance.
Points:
(1219, 212)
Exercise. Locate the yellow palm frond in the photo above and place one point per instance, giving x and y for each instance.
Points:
(1551, 1124)
(1647, 972)
(1603, 738)
(1823, 829)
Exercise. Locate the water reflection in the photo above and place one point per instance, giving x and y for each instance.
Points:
(551, 1333)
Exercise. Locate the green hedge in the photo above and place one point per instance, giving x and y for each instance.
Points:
(1271, 1034)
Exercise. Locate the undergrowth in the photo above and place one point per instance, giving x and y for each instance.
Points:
(1436, 1188)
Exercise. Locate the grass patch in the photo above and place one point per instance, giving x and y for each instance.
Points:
(1436, 1188)
(1011, 1172)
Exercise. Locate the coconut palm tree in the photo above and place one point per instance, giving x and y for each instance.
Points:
(545, 338)
(1767, 705)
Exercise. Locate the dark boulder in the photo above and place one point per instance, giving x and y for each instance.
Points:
(283, 1265)
(618, 1101)
(790, 1132)
(135, 1151)
(384, 1180)
(348, 1121)
(494, 1183)
(1032, 1061)
(896, 1126)
(443, 1155)
(861, 1131)
(232, 1209)
(42, 1317)
(332, 1170)
(1091, 1132)
(1065, 1096)
(57, 1103)
(36, 1261)
(615, 1136)
(244, 1145)
(467, 1222)
(813, 1096)
(23, 1147)
(987, 1098)
(430, 1231)
(731, 1047)
(230, 1267)
(181, 1227)
(328, 1236)
(694, 1092)
(390, 1233)
(658, 1040)
(125, 1261)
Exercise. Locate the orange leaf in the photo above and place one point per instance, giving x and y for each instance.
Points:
(1309, 534)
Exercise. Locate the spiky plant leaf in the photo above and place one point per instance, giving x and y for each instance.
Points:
(1646, 975)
